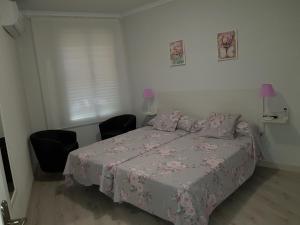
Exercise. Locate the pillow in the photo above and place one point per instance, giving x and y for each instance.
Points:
(243, 128)
(185, 123)
(220, 125)
(167, 121)
(197, 125)
(148, 121)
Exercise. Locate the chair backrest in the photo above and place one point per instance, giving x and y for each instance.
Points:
(45, 134)
(120, 120)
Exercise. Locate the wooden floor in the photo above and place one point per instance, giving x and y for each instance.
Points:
(270, 197)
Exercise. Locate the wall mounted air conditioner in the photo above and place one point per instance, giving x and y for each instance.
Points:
(11, 18)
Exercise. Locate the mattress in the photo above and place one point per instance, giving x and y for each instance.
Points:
(96, 163)
(185, 180)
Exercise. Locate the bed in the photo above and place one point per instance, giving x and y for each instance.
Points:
(95, 164)
(185, 180)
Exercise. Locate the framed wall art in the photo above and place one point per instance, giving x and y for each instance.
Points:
(177, 53)
(227, 45)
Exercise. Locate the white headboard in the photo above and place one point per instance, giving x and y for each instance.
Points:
(201, 103)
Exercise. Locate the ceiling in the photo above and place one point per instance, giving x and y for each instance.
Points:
(93, 6)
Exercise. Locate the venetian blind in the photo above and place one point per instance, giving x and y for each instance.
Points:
(79, 66)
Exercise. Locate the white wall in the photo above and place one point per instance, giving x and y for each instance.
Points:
(15, 123)
(269, 51)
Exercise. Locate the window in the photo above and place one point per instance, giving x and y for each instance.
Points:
(78, 65)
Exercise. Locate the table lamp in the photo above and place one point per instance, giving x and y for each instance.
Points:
(148, 97)
(267, 91)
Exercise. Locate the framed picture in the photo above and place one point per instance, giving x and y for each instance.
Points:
(177, 53)
(227, 45)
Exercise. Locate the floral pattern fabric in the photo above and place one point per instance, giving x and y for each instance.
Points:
(166, 121)
(96, 163)
(185, 123)
(185, 180)
(220, 125)
(198, 125)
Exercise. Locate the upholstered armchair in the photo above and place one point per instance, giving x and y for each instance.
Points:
(52, 148)
(117, 125)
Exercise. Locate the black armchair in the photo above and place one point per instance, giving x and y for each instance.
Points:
(117, 125)
(52, 148)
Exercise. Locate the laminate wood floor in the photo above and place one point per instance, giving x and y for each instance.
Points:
(270, 197)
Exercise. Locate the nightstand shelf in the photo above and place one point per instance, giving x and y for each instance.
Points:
(279, 120)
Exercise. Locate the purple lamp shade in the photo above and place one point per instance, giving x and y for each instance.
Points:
(148, 93)
(267, 90)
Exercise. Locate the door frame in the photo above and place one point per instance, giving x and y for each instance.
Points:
(4, 193)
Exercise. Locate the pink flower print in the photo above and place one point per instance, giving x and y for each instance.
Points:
(83, 159)
(118, 140)
(133, 179)
(166, 151)
(171, 167)
(185, 200)
(175, 165)
(136, 179)
(217, 121)
(124, 195)
(213, 163)
(150, 146)
(190, 211)
(120, 149)
(211, 203)
(155, 135)
(112, 166)
(175, 116)
(206, 147)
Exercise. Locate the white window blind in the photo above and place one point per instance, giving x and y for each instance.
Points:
(80, 67)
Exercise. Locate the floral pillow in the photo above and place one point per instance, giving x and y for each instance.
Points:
(197, 126)
(220, 125)
(185, 123)
(166, 121)
(243, 128)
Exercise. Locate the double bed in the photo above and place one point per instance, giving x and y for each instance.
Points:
(178, 176)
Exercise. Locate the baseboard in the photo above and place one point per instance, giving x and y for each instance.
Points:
(279, 166)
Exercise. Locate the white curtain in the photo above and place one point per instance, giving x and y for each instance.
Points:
(82, 70)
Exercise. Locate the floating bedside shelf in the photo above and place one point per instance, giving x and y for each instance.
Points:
(279, 120)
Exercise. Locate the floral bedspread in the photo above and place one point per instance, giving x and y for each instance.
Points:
(185, 180)
(96, 163)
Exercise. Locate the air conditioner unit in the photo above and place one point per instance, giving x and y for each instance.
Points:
(11, 18)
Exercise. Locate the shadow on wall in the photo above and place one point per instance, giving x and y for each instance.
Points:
(283, 134)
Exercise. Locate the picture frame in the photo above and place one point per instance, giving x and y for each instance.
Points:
(227, 44)
(177, 53)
